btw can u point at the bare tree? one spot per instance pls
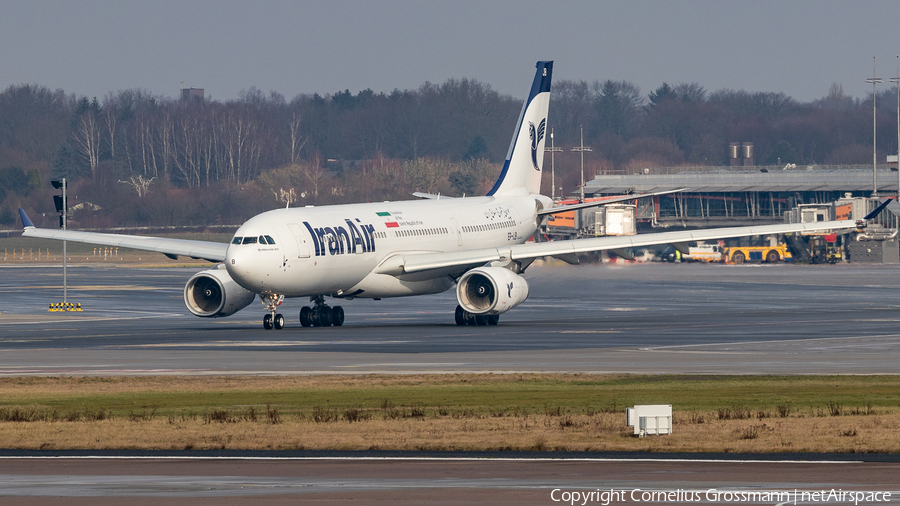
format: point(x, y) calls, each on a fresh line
point(110, 117)
point(141, 186)
point(87, 140)
point(297, 140)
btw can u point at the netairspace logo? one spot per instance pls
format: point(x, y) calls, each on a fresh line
point(715, 496)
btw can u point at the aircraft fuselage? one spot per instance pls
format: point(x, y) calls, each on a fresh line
point(335, 250)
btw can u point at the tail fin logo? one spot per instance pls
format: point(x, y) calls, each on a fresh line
point(536, 136)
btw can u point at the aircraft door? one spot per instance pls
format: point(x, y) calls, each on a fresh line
point(459, 241)
point(302, 238)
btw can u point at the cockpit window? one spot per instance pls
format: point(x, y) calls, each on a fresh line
point(262, 240)
point(270, 240)
point(249, 240)
point(237, 240)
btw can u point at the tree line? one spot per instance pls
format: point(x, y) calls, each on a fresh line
point(144, 158)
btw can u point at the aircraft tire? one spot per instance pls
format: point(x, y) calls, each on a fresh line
point(481, 319)
point(460, 315)
point(324, 316)
point(305, 320)
point(278, 321)
point(267, 322)
point(337, 316)
point(493, 319)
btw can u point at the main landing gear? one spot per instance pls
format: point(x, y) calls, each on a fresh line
point(321, 314)
point(274, 319)
point(464, 317)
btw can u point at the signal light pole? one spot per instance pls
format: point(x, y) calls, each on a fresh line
point(874, 80)
point(897, 80)
point(553, 150)
point(582, 148)
point(63, 208)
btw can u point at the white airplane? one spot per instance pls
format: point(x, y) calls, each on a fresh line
point(397, 249)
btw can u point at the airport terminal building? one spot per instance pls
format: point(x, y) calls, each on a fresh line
point(735, 196)
point(729, 196)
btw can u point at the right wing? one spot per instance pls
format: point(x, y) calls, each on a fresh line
point(461, 261)
point(212, 251)
point(457, 262)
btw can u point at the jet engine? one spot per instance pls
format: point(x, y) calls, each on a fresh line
point(213, 293)
point(490, 290)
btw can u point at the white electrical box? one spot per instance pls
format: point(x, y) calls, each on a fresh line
point(650, 419)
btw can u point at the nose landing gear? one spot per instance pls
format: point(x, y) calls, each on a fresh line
point(321, 314)
point(274, 319)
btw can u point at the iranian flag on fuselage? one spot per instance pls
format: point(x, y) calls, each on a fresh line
point(390, 222)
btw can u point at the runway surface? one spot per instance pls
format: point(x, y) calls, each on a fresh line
point(441, 481)
point(639, 318)
point(657, 318)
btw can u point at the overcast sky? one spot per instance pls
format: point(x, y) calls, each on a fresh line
point(91, 47)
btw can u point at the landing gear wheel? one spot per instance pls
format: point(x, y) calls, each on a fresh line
point(738, 258)
point(305, 320)
point(772, 257)
point(324, 316)
point(493, 319)
point(267, 322)
point(470, 318)
point(278, 321)
point(337, 316)
point(460, 315)
point(481, 319)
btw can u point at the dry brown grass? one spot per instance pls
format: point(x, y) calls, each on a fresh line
point(439, 412)
point(598, 432)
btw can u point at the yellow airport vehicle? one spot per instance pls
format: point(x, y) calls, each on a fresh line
point(769, 254)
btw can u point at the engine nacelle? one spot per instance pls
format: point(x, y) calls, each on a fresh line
point(491, 290)
point(213, 293)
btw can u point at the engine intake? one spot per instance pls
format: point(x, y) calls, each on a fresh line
point(491, 290)
point(213, 293)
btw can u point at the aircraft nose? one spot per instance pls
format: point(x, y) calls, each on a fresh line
point(240, 266)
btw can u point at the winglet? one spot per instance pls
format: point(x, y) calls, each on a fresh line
point(877, 211)
point(26, 221)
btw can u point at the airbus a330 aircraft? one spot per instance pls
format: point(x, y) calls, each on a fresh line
point(396, 249)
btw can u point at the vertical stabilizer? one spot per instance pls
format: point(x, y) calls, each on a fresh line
point(521, 173)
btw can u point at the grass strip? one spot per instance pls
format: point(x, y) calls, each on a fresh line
point(453, 412)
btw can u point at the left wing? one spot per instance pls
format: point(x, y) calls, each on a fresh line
point(212, 251)
point(431, 196)
point(598, 203)
point(460, 261)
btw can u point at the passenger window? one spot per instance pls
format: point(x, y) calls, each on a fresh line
point(236, 240)
point(249, 240)
point(270, 240)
